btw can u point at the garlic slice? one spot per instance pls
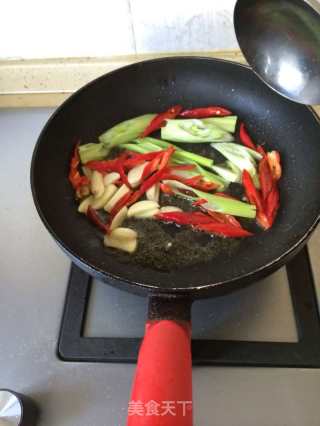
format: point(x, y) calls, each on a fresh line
point(119, 218)
point(97, 185)
point(111, 178)
point(135, 174)
point(148, 214)
point(123, 190)
point(83, 206)
point(169, 209)
point(87, 172)
point(125, 239)
point(142, 207)
point(153, 193)
point(109, 191)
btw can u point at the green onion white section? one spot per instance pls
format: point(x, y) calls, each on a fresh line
point(194, 131)
point(180, 156)
point(152, 144)
point(215, 202)
point(126, 130)
point(241, 157)
point(227, 173)
point(227, 124)
point(92, 151)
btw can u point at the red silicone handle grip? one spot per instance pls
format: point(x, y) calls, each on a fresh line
point(162, 389)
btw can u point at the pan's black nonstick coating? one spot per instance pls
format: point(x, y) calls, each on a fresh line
point(153, 86)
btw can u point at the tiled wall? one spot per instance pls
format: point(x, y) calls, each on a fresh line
point(68, 28)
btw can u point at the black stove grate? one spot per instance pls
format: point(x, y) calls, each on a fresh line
point(73, 346)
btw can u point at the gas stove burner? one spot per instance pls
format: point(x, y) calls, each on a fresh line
point(74, 346)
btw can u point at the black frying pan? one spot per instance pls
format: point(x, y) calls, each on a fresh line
point(153, 86)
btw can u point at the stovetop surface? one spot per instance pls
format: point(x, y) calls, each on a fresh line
point(33, 277)
point(261, 312)
point(294, 342)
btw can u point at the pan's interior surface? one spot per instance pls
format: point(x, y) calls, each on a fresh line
point(153, 86)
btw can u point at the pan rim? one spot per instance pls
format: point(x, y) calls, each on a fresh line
point(105, 275)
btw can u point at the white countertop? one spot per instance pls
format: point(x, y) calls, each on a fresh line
point(33, 276)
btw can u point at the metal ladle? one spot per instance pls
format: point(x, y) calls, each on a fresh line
point(280, 39)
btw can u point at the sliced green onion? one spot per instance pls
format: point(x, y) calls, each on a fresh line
point(215, 202)
point(227, 173)
point(194, 131)
point(228, 205)
point(233, 167)
point(241, 156)
point(188, 157)
point(211, 177)
point(92, 151)
point(237, 149)
point(134, 147)
point(150, 146)
point(154, 141)
point(126, 130)
point(145, 145)
point(225, 123)
point(180, 154)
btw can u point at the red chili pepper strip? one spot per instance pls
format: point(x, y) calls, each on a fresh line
point(123, 176)
point(116, 165)
point(75, 178)
point(263, 220)
point(275, 164)
point(205, 223)
point(185, 218)
point(272, 204)
point(186, 181)
point(152, 180)
point(155, 178)
point(254, 197)
point(75, 159)
point(103, 166)
point(147, 156)
point(211, 111)
point(155, 163)
point(265, 178)
point(227, 219)
point(232, 220)
point(137, 159)
point(166, 157)
point(133, 162)
point(146, 171)
point(159, 120)
point(224, 230)
point(151, 167)
point(166, 189)
point(206, 186)
point(93, 216)
point(261, 150)
point(199, 202)
point(121, 203)
point(245, 138)
point(224, 195)
point(194, 182)
point(134, 197)
point(251, 191)
point(181, 167)
point(147, 184)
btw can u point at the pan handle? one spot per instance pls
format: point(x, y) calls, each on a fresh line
point(162, 388)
